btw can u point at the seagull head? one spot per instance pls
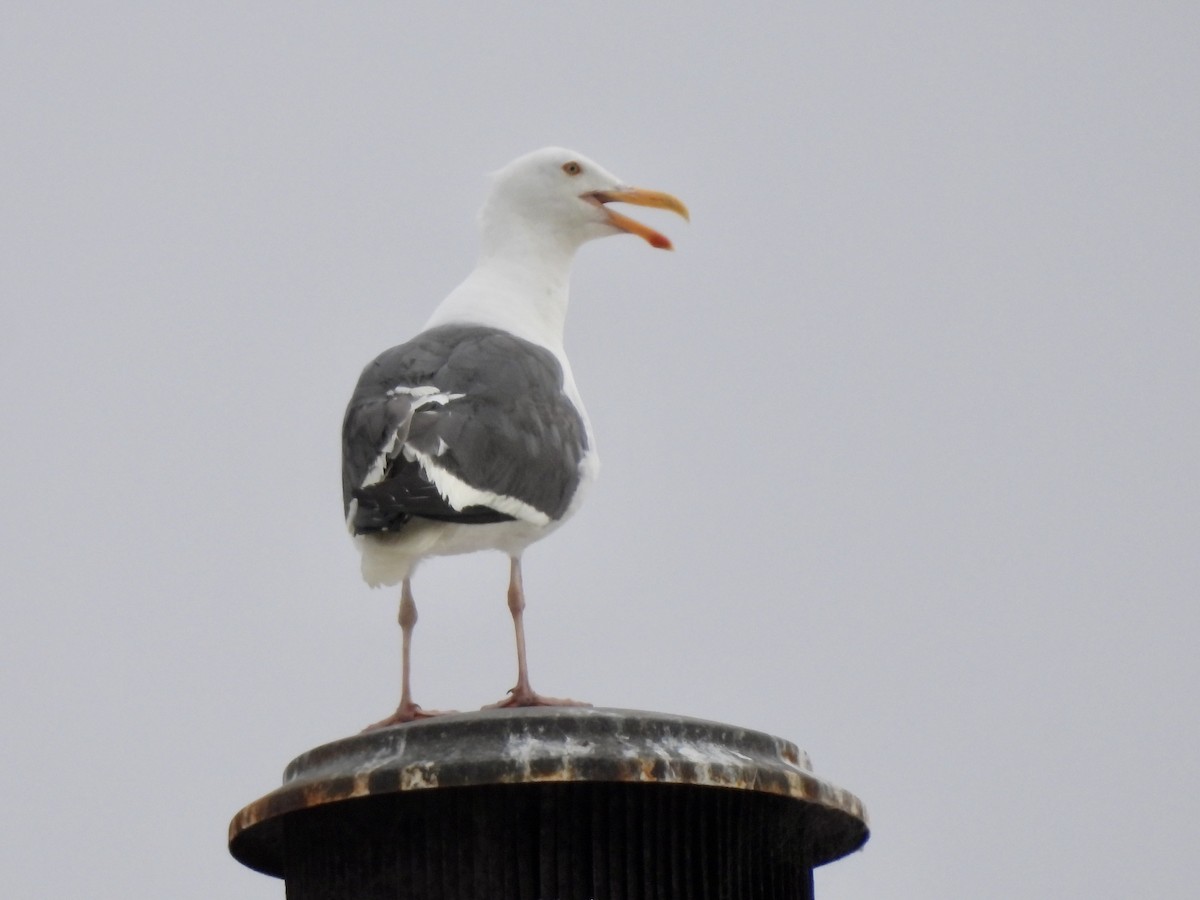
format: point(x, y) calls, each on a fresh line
point(563, 196)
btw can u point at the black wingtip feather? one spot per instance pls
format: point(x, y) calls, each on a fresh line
point(389, 505)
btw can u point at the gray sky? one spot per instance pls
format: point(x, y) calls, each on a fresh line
point(900, 445)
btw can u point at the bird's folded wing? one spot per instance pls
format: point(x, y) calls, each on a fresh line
point(489, 436)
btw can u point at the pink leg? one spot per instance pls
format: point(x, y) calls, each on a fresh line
point(407, 711)
point(523, 694)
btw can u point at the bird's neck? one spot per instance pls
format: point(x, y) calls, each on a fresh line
point(520, 285)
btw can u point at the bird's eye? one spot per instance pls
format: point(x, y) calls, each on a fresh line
point(572, 168)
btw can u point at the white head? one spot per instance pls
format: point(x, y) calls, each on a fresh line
point(557, 197)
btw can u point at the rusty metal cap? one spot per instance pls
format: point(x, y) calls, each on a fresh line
point(539, 745)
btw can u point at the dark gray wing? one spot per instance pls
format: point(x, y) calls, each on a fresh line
point(481, 405)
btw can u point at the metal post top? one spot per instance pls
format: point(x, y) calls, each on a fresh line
point(540, 745)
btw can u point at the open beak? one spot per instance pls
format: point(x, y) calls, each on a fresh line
point(639, 197)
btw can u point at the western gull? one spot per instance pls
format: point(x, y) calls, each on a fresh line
point(472, 435)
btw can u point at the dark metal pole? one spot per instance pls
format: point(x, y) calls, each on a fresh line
point(550, 804)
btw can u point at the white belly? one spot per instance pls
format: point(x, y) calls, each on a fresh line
point(389, 559)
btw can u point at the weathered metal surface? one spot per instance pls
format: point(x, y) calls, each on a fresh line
point(545, 746)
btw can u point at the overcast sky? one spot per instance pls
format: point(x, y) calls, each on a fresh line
point(899, 446)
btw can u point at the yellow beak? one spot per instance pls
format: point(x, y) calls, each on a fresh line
point(640, 197)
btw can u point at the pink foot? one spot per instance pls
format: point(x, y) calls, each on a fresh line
point(406, 712)
point(528, 697)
